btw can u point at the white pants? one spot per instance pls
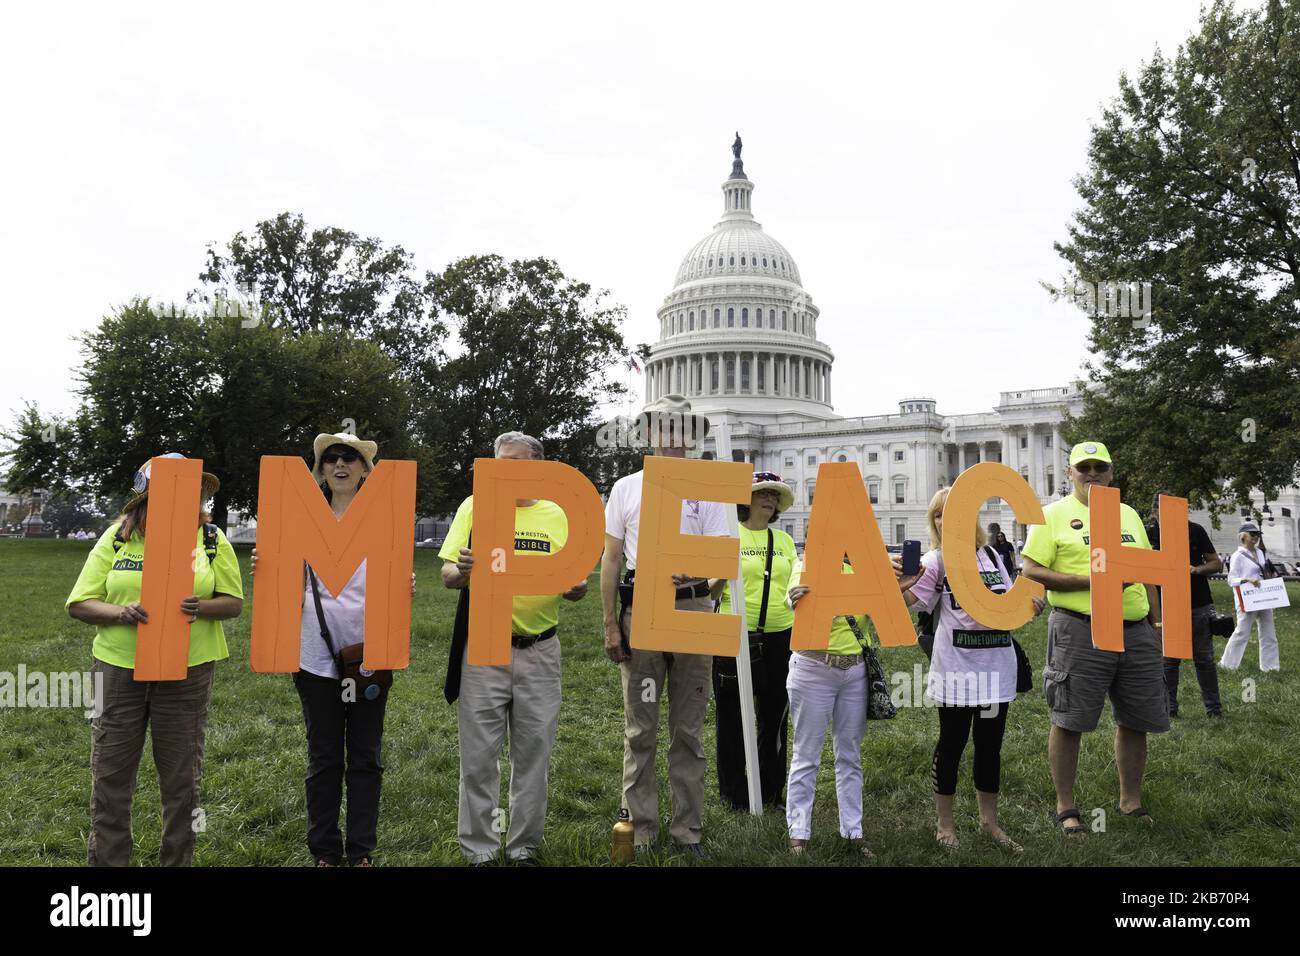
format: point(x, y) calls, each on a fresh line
point(1236, 649)
point(822, 696)
point(522, 700)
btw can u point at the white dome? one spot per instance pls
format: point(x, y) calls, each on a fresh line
point(738, 248)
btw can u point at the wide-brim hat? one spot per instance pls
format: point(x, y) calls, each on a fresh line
point(680, 409)
point(140, 483)
point(366, 449)
point(767, 481)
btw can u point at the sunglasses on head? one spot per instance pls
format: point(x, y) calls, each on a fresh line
point(348, 457)
point(1092, 467)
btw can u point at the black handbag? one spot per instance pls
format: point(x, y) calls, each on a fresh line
point(368, 683)
point(459, 641)
point(880, 705)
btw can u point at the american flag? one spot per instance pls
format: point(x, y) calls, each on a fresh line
point(632, 364)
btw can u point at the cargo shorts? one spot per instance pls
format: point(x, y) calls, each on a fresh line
point(1078, 677)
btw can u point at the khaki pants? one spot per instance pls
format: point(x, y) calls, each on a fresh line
point(684, 679)
point(519, 701)
point(176, 715)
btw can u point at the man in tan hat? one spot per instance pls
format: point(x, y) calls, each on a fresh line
point(1078, 677)
point(646, 675)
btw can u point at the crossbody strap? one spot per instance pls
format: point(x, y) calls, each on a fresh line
point(767, 582)
point(320, 613)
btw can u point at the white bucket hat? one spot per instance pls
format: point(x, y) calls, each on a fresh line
point(366, 449)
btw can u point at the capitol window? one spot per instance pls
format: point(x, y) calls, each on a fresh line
point(717, 318)
point(731, 317)
point(710, 262)
point(873, 492)
point(812, 486)
point(744, 318)
point(899, 489)
point(692, 322)
point(841, 458)
point(758, 318)
point(765, 262)
point(732, 260)
point(812, 460)
point(873, 456)
point(898, 456)
point(789, 463)
point(784, 320)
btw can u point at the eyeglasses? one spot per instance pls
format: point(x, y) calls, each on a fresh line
point(347, 457)
point(1092, 467)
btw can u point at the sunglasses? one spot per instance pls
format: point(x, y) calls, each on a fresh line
point(1094, 467)
point(347, 457)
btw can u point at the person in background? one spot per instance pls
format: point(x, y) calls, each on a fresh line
point(520, 700)
point(1203, 562)
point(1007, 553)
point(769, 620)
point(1248, 566)
point(828, 689)
point(173, 712)
point(1078, 677)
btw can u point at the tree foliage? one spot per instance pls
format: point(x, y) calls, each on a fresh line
point(1193, 185)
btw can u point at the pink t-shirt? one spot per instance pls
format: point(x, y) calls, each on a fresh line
point(971, 666)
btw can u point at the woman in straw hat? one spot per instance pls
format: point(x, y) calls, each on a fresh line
point(767, 556)
point(174, 712)
point(343, 728)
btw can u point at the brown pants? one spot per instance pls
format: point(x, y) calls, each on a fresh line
point(176, 712)
point(685, 679)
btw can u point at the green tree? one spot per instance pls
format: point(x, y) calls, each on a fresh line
point(1192, 185)
point(538, 352)
point(330, 278)
point(210, 388)
point(37, 453)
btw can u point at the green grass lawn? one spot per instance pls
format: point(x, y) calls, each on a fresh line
point(1222, 793)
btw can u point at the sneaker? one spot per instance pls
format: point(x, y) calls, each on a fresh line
point(690, 849)
point(324, 862)
point(364, 861)
point(526, 860)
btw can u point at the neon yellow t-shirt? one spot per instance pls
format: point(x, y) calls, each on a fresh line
point(540, 528)
point(1062, 545)
point(114, 576)
point(753, 561)
point(842, 640)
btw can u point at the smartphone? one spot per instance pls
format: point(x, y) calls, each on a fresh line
point(911, 558)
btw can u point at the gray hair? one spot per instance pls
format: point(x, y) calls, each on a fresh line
point(519, 438)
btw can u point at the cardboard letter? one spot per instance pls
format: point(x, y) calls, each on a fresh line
point(162, 646)
point(1167, 567)
point(843, 523)
point(662, 551)
point(499, 574)
point(295, 524)
point(973, 487)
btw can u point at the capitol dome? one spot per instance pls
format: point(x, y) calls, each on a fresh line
point(738, 331)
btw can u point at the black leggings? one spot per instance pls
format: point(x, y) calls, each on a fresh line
point(954, 728)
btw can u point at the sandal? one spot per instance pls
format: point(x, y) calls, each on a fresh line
point(948, 843)
point(1140, 812)
point(1066, 815)
point(797, 847)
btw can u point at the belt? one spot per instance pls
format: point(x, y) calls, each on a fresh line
point(528, 640)
point(839, 661)
point(693, 591)
point(1088, 617)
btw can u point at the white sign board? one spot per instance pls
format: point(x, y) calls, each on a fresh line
point(1271, 593)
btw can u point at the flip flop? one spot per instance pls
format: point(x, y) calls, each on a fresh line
point(1066, 815)
point(1140, 812)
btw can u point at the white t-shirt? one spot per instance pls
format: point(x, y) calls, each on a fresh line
point(962, 672)
point(345, 616)
point(623, 515)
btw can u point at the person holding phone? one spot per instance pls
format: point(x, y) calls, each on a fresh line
point(1249, 565)
point(173, 712)
point(767, 557)
point(343, 726)
point(828, 689)
point(972, 677)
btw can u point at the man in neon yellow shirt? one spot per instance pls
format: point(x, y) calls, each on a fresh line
point(1078, 676)
point(521, 698)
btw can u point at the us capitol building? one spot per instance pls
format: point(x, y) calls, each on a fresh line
point(738, 338)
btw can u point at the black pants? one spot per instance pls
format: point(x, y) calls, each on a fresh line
point(954, 728)
point(770, 660)
point(1207, 669)
point(333, 729)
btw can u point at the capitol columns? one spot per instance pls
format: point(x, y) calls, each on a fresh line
point(1035, 464)
point(1058, 459)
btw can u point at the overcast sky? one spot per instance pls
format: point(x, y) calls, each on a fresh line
point(916, 159)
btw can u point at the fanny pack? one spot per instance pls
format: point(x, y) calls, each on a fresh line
point(368, 683)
